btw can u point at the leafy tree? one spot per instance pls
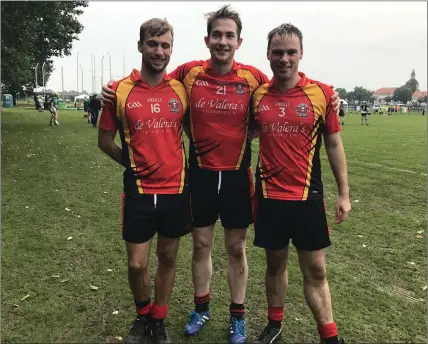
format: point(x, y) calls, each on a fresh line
point(388, 99)
point(361, 94)
point(33, 32)
point(402, 94)
point(412, 84)
point(342, 93)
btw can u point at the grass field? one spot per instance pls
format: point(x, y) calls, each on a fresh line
point(57, 185)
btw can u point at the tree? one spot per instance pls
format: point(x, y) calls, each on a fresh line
point(342, 93)
point(33, 32)
point(361, 94)
point(402, 94)
point(388, 99)
point(350, 96)
point(412, 84)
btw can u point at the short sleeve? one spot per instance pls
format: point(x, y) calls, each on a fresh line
point(331, 125)
point(108, 120)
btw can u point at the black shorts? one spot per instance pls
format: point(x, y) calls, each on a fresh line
point(228, 194)
point(364, 114)
point(304, 222)
point(341, 113)
point(144, 215)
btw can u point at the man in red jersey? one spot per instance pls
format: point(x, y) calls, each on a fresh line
point(293, 114)
point(220, 177)
point(148, 114)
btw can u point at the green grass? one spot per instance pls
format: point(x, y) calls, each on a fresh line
point(377, 295)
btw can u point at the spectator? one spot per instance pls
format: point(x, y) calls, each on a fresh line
point(95, 106)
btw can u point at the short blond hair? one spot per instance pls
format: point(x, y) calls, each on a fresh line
point(155, 27)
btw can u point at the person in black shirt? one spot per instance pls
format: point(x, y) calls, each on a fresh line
point(95, 106)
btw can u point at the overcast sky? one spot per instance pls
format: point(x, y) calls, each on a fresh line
point(345, 44)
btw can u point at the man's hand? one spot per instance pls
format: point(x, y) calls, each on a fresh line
point(336, 101)
point(343, 207)
point(108, 95)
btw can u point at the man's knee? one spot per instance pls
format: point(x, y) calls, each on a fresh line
point(137, 266)
point(275, 266)
point(315, 274)
point(201, 245)
point(236, 250)
point(167, 258)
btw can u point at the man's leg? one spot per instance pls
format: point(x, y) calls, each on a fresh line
point(236, 190)
point(96, 119)
point(174, 220)
point(139, 282)
point(273, 225)
point(138, 229)
point(164, 281)
point(56, 116)
point(203, 239)
point(237, 276)
point(317, 292)
point(52, 118)
point(93, 119)
point(203, 185)
point(311, 237)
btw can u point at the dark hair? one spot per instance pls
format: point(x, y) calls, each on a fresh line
point(224, 13)
point(155, 27)
point(286, 29)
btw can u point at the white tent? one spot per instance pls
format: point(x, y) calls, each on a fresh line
point(82, 97)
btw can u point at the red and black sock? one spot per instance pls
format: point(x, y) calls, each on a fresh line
point(275, 316)
point(328, 333)
point(237, 311)
point(159, 312)
point(202, 303)
point(143, 308)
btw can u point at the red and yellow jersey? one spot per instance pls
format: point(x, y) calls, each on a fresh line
point(219, 113)
point(290, 126)
point(149, 121)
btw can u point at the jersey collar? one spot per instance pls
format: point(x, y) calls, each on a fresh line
point(207, 66)
point(136, 76)
point(302, 82)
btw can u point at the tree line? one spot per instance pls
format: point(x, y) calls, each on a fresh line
point(401, 94)
point(32, 33)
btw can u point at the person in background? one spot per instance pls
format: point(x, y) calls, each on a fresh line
point(94, 106)
point(87, 110)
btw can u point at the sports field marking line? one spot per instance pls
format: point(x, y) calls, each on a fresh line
point(377, 165)
point(386, 167)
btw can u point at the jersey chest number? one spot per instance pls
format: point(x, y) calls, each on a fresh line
point(155, 108)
